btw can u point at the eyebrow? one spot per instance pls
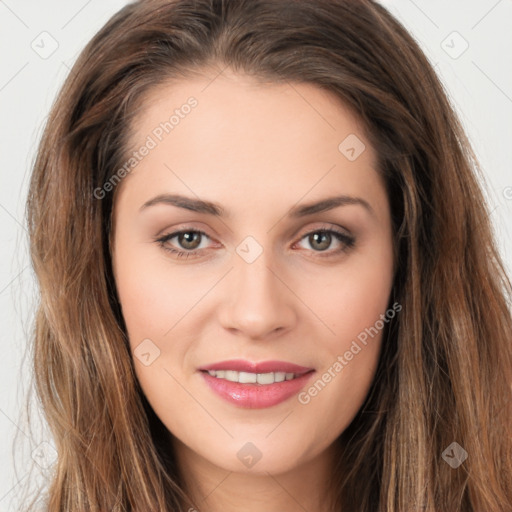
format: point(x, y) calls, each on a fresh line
point(210, 208)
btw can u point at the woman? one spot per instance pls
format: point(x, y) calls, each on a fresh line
point(268, 279)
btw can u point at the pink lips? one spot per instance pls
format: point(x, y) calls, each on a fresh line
point(257, 396)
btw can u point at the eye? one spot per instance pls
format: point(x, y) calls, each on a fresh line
point(321, 240)
point(188, 239)
point(189, 242)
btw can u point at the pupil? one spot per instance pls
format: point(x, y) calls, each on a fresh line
point(317, 236)
point(189, 240)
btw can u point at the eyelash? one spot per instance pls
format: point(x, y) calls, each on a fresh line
point(347, 242)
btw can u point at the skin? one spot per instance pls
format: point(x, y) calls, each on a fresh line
point(258, 150)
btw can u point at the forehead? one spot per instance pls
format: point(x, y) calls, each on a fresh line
point(233, 103)
point(249, 138)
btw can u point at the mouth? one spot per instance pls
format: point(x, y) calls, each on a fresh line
point(255, 385)
point(263, 379)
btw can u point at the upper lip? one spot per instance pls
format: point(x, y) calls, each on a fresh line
point(242, 365)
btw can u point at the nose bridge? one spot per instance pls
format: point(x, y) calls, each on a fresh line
point(259, 302)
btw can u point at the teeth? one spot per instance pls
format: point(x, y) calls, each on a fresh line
point(265, 378)
point(231, 375)
point(279, 376)
point(247, 378)
point(251, 378)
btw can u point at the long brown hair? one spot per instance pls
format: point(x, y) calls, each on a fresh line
point(445, 371)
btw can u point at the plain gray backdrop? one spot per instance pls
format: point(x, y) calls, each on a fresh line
point(468, 42)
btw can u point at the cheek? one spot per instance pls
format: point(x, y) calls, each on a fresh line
point(160, 307)
point(353, 304)
point(153, 299)
point(351, 299)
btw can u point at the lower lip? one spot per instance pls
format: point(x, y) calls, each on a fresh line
point(256, 396)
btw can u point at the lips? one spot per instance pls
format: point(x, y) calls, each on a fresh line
point(255, 385)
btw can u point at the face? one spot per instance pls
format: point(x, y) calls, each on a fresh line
point(252, 238)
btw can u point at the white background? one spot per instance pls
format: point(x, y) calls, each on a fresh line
point(479, 83)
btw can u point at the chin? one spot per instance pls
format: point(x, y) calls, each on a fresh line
point(258, 457)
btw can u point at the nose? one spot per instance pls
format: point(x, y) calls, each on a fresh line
point(259, 303)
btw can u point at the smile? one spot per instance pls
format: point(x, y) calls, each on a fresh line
point(255, 385)
point(252, 378)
